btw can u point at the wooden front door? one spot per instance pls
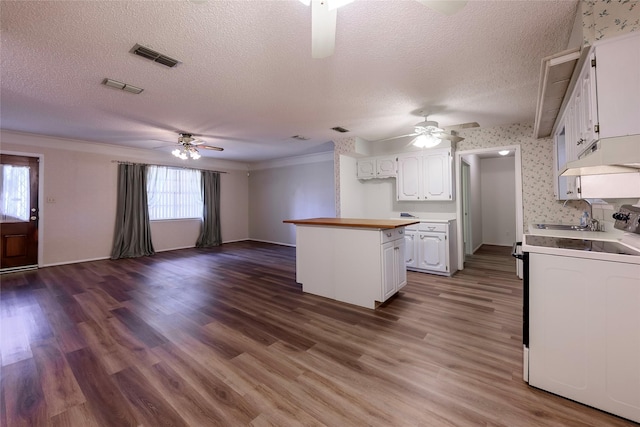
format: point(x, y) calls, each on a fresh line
point(18, 211)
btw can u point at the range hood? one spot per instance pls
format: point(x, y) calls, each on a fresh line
point(608, 156)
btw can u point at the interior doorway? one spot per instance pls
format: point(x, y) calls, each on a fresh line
point(19, 211)
point(466, 207)
point(468, 177)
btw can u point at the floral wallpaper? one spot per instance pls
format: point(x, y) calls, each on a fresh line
point(609, 18)
point(539, 202)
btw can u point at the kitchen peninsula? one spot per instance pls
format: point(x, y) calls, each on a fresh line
point(357, 261)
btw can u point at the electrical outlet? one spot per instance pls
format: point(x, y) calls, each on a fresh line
point(51, 200)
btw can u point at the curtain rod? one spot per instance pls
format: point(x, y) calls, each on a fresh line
point(122, 162)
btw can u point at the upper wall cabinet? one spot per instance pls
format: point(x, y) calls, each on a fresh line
point(605, 99)
point(377, 167)
point(425, 175)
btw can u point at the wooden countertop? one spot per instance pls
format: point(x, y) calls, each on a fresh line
point(354, 222)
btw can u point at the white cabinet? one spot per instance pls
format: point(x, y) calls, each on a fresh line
point(394, 272)
point(430, 247)
point(386, 167)
point(410, 248)
point(360, 266)
point(425, 175)
point(584, 331)
point(367, 168)
point(377, 167)
point(617, 78)
point(603, 103)
point(566, 187)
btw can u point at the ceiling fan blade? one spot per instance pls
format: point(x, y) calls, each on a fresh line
point(397, 137)
point(323, 29)
point(463, 126)
point(449, 137)
point(446, 7)
point(210, 147)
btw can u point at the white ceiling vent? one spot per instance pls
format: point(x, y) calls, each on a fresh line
point(152, 55)
point(123, 86)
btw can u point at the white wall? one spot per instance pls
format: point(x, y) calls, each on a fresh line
point(497, 187)
point(80, 182)
point(352, 198)
point(294, 188)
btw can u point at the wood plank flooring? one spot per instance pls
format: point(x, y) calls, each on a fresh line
point(226, 337)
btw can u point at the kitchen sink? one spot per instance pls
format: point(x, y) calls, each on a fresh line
point(568, 227)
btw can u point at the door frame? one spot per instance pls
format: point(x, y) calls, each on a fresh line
point(465, 181)
point(519, 207)
point(41, 206)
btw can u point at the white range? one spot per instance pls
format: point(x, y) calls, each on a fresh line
point(582, 315)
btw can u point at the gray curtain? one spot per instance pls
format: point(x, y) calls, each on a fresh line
point(132, 237)
point(210, 232)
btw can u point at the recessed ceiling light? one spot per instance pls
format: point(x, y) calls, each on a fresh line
point(503, 152)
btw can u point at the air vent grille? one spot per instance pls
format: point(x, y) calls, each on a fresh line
point(340, 129)
point(152, 55)
point(122, 86)
point(300, 137)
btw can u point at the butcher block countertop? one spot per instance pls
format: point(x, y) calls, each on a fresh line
point(381, 224)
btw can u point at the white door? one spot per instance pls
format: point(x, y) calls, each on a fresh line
point(432, 251)
point(408, 180)
point(437, 175)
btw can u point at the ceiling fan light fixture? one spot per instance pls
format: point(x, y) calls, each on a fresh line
point(426, 141)
point(427, 126)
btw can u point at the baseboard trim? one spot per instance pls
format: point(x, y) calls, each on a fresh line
point(273, 243)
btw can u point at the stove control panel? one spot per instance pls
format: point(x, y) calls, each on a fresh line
point(628, 219)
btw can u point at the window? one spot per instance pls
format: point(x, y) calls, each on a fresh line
point(14, 194)
point(173, 193)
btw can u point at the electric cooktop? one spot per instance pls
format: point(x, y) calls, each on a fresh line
point(581, 245)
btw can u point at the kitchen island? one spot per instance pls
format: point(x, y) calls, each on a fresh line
point(353, 260)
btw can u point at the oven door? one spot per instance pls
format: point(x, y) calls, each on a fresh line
point(523, 257)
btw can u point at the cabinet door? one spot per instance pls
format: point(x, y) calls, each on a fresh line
point(399, 267)
point(389, 280)
point(432, 251)
point(367, 168)
point(385, 167)
point(618, 85)
point(410, 249)
point(437, 175)
point(589, 106)
point(408, 182)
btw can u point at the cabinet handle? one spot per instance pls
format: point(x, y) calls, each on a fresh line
point(401, 232)
point(421, 236)
point(569, 192)
point(580, 141)
point(388, 234)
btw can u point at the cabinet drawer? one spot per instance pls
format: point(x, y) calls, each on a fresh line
point(391, 234)
point(433, 227)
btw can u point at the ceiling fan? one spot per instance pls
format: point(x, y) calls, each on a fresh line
point(429, 134)
point(188, 147)
point(323, 21)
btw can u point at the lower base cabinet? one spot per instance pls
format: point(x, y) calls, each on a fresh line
point(430, 247)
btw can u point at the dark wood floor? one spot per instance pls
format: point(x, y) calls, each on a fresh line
point(226, 337)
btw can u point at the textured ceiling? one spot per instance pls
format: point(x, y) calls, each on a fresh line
point(247, 80)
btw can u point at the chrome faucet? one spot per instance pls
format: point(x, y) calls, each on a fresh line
point(594, 224)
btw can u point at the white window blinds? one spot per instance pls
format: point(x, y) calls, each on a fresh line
point(173, 193)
